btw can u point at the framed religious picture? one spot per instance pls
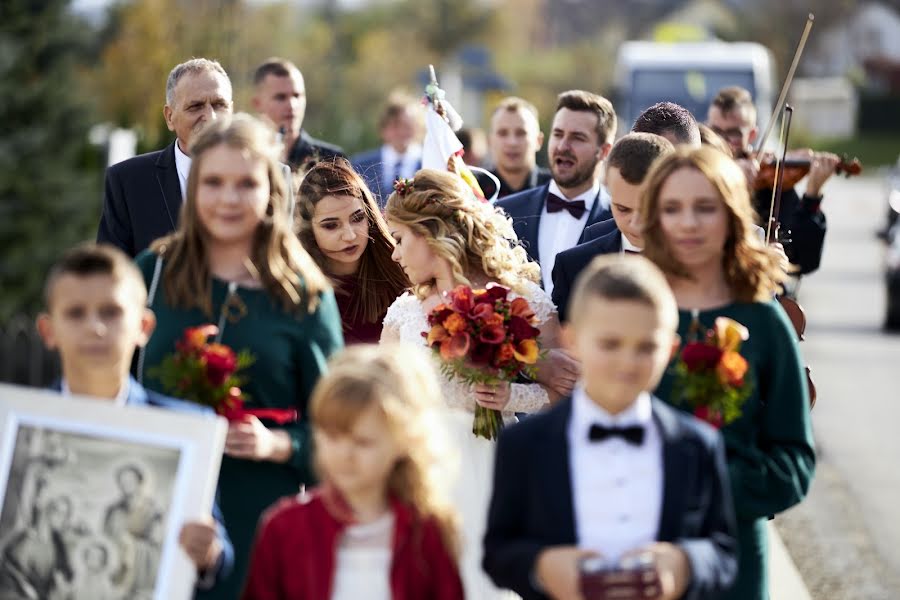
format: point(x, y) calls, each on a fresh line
point(93, 496)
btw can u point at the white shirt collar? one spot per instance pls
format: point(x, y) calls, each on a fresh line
point(391, 157)
point(626, 245)
point(586, 412)
point(588, 196)
point(121, 397)
point(183, 165)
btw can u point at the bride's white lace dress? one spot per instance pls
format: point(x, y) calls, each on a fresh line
point(407, 321)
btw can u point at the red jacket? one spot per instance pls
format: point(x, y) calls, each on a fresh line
point(296, 546)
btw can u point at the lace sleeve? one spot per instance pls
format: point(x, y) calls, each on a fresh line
point(539, 300)
point(527, 398)
point(396, 314)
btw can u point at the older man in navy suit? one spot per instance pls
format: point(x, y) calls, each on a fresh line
point(142, 195)
point(552, 218)
point(626, 168)
point(400, 155)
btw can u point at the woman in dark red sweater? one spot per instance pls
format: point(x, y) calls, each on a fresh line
point(340, 225)
point(377, 528)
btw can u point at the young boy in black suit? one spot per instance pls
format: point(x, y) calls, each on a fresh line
point(96, 316)
point(612, 471)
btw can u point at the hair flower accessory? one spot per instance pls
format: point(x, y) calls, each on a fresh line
point(402, 185)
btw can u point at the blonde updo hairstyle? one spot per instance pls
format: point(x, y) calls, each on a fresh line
point(473, 236)
point(752, 269)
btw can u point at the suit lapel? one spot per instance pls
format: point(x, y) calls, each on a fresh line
point(598, 213)
point(557, 482)
point(169, 185)
point(677, 477)
point(532, 221)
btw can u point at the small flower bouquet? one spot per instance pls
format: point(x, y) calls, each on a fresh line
point(711, 373)
point(208, 373)
point(484, 337)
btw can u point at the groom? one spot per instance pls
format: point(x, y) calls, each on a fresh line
point(552, 218)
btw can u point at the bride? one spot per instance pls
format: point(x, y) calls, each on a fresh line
point(444, 238)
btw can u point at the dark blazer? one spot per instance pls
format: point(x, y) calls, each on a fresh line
point(308, 148)
point(571, 262)
point(592, 232)
point(142, 200)
point(804, 220)
point(532, 507)
point(370, 166)
point(526, 207)
point(138, 395)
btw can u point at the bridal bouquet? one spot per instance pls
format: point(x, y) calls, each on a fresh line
point(484, 337)
point(711, 373)
point(208, 373)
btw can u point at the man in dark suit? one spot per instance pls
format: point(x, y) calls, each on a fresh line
point(142, 195)
point(612, 471)
point(552, 218)
point(514, 140)
point(626, 168)
point(280, 96)
point(400, 154)
point(732, 115)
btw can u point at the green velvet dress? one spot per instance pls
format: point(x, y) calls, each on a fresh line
point(291, 353)
point(771, 459)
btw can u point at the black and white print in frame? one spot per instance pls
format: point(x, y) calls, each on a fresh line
point(92, 497)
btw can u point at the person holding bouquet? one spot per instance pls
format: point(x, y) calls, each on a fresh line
point(341, 227)
point(379, 527)
point(698, 227)
point(445, 238)
point(234, 262)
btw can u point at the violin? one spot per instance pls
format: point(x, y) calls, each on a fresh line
point(796, 169)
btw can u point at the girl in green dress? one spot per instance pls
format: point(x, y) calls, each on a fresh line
point(235, 262)
point(699, 229)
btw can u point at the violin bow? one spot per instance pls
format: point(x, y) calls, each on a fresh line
point(775, 204)
point(787, 82)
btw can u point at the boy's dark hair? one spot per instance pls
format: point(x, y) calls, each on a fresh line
point(513, 104)
point(671, 118)
point(279, 67)
point(632, 278)
point(580, 100)
point(634, 153)
point(96, 259)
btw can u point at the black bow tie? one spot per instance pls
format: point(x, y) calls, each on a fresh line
point(633, 434)
point(576, 208)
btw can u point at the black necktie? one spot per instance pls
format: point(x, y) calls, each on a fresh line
point(576, 208)
point(633, 434)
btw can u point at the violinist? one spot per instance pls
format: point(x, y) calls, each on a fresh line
point(698, 228)
point(733, 116)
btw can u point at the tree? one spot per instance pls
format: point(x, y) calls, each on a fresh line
point(49, 189)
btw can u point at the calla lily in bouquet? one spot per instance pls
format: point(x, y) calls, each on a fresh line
point(483, 336)
point(208, 373)
point(711, 374)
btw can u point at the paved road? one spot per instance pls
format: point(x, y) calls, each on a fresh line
point(845, 538)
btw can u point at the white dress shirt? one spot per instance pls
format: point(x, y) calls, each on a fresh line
point(560, 231)
point(409, 163)
point(617, 486)
point(183, 165)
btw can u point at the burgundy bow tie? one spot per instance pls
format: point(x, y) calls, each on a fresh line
point(576, 208)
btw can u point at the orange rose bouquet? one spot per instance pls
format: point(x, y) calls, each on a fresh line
point(208, 373)
point(482, 336)
point(711, 374)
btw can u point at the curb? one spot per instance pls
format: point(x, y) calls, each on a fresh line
point(785, 581)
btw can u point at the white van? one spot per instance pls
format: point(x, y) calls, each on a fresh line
point(690, 74)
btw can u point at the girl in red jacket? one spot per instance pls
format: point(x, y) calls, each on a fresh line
point(377, 527)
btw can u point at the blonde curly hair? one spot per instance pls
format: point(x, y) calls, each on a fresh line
point(473, 236)
point(752, 269)
point(400, 381)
